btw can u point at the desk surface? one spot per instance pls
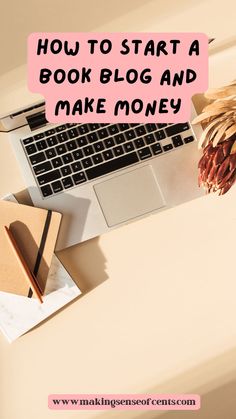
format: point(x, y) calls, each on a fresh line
point(158, 310)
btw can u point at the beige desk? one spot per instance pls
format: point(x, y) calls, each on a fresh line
point(158, 310)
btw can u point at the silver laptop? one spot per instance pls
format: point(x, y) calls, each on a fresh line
point(101, 176)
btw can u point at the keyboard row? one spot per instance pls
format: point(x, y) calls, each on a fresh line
point(110, 135)
point(71, 131)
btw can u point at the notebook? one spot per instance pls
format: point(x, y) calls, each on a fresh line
point(35, 231)
point(19, 314)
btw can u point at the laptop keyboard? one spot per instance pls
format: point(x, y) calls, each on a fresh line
point(72, 154)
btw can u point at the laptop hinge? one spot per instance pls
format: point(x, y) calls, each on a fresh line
point(36, 121)
point(33, 116)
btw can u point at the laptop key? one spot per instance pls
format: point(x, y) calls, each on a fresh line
point(60, 128)
point(37, 158)
point(76, 167)
point(39, 136)
point(87, 162)
point(107, 155)
point(113, 129)
point(79, 178)
point(67, 158)
point(71, 125)
point(151, 127)
point(57, 162)
point(93, 127)
point(71, 145)
point(50, 153)
point(88, 150)
point(129, 147)
point(67, 182)
point(139, 143)
point(99, 146)
point(129, 135)
point(31, 149)
point(82, 141)
point(103, 133)
point(61, 149)
point(46, 191)
point(83, 129)
point(177, 140)
point(72, 133)
point(42, 168)
point(188, 139)
point(111, 166)
point(123, 127)
point(161, 125)
point(144, 153)
point(78, 154)
point(156, 148)
point(149, 139)
point(176, 129)
point(167, 147)
point(49, 177)
point(51, 141)
point(118, 151)
point(119, 138)
point(92, 137)
point(97, 158)
point(41, 145)
point(62, 137)
point(50, 132)
point(66, 170)
point(57, 186)
point(109, 142)
point(160, 135)
point(140, 130)
point(28, 140)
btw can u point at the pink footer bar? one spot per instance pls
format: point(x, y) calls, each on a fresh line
point(124, 401)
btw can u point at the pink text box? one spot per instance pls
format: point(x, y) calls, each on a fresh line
point(105, 97)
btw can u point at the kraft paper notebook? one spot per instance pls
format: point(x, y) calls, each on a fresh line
point(19, 314)
point(35, 231)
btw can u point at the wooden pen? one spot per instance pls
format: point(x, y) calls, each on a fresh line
point(24, 267)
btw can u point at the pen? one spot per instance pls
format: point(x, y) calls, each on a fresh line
point(28, 274)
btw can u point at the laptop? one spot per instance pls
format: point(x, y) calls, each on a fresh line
point(102, 176)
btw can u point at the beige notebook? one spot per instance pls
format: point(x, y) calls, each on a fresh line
point(35, 231)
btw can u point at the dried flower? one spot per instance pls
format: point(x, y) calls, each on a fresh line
point(217, 167)
point(219, 116)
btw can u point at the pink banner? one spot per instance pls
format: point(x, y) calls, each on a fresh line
point(124, 401)
point(117, 77)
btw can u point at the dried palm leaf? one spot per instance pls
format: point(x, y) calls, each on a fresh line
point(222, 91)
point(218, 116)
point(217, 167)
point(204, 139)
point(220, 136)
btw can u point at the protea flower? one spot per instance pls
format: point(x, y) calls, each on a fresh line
point(217, 167)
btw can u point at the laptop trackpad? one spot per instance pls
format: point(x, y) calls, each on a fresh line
point(129, 195)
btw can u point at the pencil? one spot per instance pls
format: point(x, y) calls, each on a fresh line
point(27, 273)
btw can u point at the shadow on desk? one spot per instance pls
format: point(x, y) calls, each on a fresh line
point(85, 262)
point(214, 381)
